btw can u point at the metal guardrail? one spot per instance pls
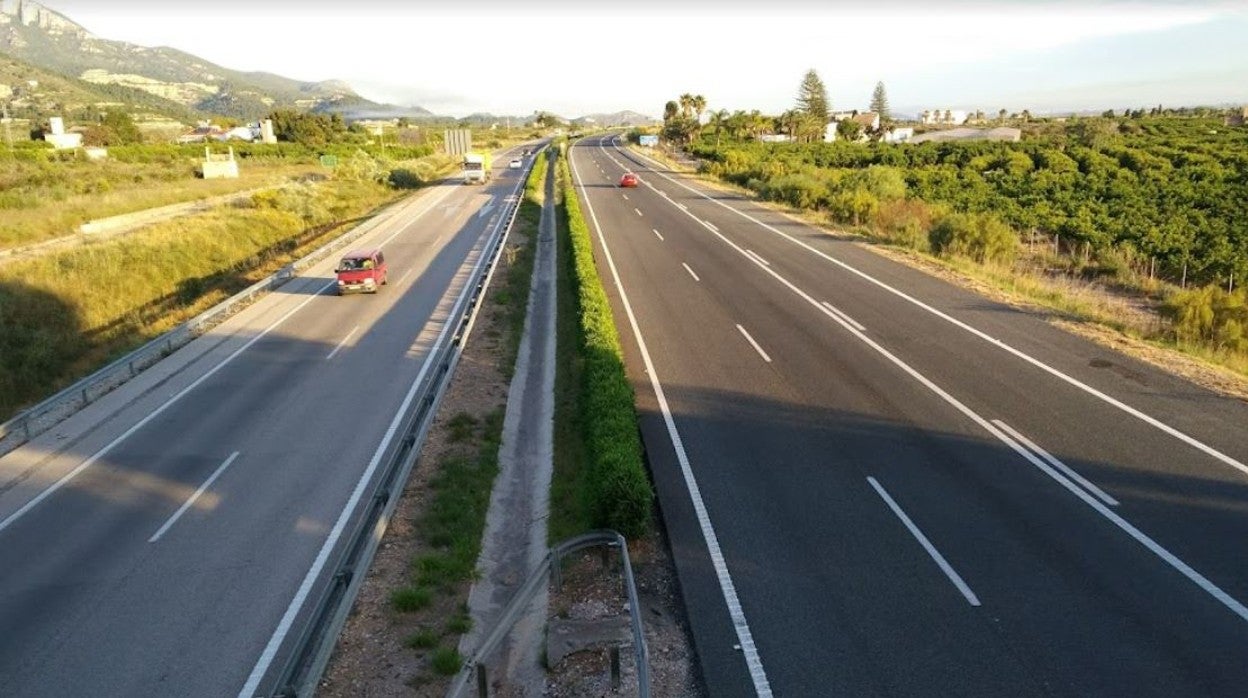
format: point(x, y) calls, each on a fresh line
point(310, 656)
point(35, 420)
point(550, 565)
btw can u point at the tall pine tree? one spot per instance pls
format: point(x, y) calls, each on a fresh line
point(812, 97)
point(879, 103)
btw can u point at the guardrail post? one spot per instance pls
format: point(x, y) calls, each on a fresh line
point(606, 556)
point(483, 682)
point(615, 666)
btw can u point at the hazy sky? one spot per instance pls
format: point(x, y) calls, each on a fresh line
point(575, 58)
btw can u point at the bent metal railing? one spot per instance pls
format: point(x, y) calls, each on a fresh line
point(550, 565)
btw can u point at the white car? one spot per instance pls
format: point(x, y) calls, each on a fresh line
point(516, 163)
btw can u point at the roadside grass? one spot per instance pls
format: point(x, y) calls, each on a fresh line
point(66, 313)
point(50, 200)
point(461, 427)
point(423, 639)
point(446, 661)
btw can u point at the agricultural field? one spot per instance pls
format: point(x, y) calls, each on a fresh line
point(1155, 206)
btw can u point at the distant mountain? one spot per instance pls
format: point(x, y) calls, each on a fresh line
point(356, 108)
point(616, 119)
point(48, 40)
point(33, 93)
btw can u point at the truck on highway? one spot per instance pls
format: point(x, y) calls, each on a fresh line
point(476, 168)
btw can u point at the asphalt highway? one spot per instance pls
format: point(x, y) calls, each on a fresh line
point(877, 483)
point(165, 540)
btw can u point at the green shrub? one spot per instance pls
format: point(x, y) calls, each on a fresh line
point(1210, 315)
point(447, 660)
point(905, 222)
point(979, 236)
point(854, 206)
point(403, 178)
point(459, 623)
point(796, 190)
point(617, 489)
point(884, 183)
point(422, 639)
point(411, 598)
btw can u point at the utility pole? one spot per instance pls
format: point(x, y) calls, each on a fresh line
point(8, 129)
point(8, 133)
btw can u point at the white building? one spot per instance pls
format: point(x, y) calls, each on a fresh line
point(898, 135)
point(58, 137)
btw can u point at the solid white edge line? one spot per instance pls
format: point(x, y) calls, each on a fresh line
point(657, 233)
point(296, 604)
point(927, 544)
point(686, 266)
point(710, 225)
point(755, 255)
point(182, 393)
point(1140, 537)
point(744, 637)
point(1147, 419)
point(190, 502)
point(754, 344)
point(343, 342)
point(844, 316)
point(1052, 460)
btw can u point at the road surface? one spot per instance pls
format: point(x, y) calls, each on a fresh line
point(876, 483)
point(164, 540)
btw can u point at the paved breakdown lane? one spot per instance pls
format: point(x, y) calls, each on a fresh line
point(876, 483)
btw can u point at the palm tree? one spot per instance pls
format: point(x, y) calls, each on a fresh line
point(719, 120)
point(686, 105)
point(789, 121)
point(758, 123)
point(698, 102)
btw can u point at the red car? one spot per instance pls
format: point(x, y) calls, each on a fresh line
point(628, 180)
point(361, 270)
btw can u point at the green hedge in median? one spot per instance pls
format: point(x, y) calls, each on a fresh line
point(617, 490)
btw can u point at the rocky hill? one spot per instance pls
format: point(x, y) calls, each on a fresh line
point(48, 40)
point(31, 93)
